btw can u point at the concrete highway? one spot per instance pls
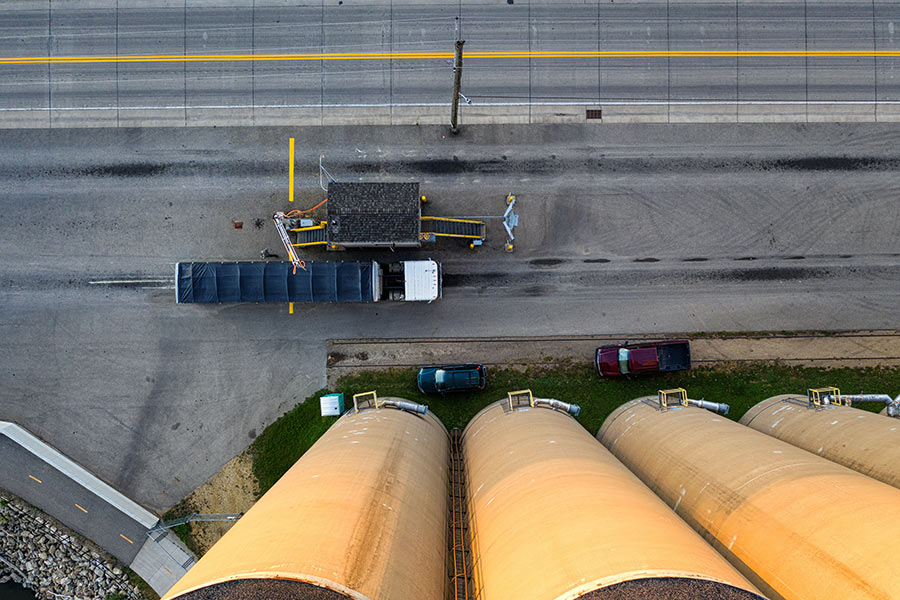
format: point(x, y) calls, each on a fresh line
point(624, 229)
point(760, 60)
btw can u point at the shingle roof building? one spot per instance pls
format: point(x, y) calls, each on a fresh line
point(373, 214)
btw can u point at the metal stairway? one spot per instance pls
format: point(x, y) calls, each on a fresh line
point(310, 236)
point(450, 227)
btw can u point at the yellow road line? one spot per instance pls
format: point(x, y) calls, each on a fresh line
point(81, 508)
point(35, 478)
point(43, 60)
point(291, 171)
point(169, 572)
point(290, 308)
point(125, 538)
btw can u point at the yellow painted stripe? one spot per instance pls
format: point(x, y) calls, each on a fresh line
point(309, 244)
point(35, 478)
point(81, 508)
point(309, 228)
point(290, 308)
point(169, 572)
point(291, 172)
point(42, 60)
point(125, 538)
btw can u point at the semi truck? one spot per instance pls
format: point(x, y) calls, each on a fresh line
point(325, 281)
point(648, 357)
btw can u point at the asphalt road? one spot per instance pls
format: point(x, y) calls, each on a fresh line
point(244, 92)
point(624, 229)
point(80, 508)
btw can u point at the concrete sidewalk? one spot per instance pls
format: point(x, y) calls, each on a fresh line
point(47, 479)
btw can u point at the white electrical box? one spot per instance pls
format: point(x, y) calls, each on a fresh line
point(332, 405)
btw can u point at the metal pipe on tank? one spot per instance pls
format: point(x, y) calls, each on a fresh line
point(405, 405)
point(572, 409)
point(554, 516)
point(798, 526)
point(893, 409)
point(858, 439)
point(892, 405)
point(884, 398)
point(362, 515)
point(716, 407)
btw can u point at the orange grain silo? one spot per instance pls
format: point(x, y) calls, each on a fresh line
point(797, 525)
point(861, 440)
point(362, 515)
point(554, 516)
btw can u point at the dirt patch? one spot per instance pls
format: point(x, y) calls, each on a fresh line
point(231, 490)
point(335, 357)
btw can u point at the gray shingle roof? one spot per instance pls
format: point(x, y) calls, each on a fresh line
point(365, 214)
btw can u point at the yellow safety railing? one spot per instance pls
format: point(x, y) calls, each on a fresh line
point(450, 219)
point(667, 398)
point(817, 396)
point(366, 399)
point(426, 235)
point(321, 225)
point(520, 398)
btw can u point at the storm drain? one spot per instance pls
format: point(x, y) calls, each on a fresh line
point(459, 549)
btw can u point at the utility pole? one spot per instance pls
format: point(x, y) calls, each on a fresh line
point(457, 77)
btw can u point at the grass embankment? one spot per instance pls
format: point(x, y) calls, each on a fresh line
point(740, 386)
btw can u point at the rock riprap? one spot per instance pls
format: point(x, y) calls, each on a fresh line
point(41, 554)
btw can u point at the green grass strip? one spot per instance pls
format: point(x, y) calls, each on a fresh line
point(739, 385)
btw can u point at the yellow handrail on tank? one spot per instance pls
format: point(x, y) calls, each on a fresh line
point(519, 398)
point(366, 397)
point(816, 396)
point(679, 395)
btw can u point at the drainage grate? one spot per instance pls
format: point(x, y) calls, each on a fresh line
point(594, 113)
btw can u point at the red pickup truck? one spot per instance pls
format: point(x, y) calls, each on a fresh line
point(647, 357)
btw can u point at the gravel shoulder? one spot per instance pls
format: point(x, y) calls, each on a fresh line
point(820, 349)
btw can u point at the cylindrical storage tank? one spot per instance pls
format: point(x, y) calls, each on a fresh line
point(861, 440)
point(361, 515)
point(553, 515)
point(799, 526)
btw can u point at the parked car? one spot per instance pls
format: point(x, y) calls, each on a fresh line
point(647, 357)
point(451, 378)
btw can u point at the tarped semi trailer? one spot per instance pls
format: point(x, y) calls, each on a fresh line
point(356, 281)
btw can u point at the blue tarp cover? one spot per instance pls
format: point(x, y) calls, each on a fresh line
point(274, 282)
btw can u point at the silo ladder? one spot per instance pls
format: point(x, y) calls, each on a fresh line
point(460, 542)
